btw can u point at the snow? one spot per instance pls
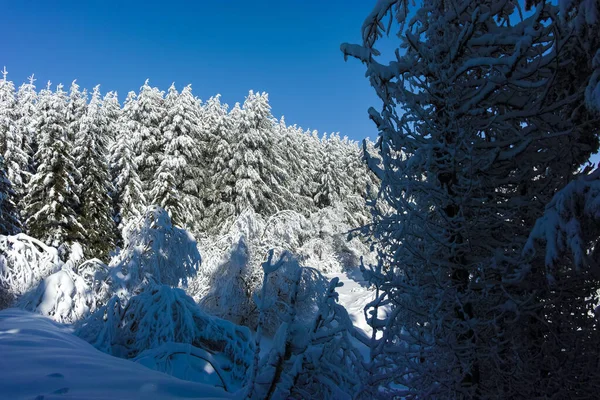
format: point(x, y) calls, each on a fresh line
point(43, 360)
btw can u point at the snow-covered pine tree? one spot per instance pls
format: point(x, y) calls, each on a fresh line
point(331, 185)
point(223, 208)
point(11, 140)
point(482, 122)
point(91, 158)
point(111, 110)
point(26, 121)
point(10, 222)
point(147, 115)
point(128, 195)
point(298, 163)
point(257, 163)
point(51, 198)
point(76, 108)
point(216, 141)
point(175, 187)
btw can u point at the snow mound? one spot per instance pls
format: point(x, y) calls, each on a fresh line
point(43, 360)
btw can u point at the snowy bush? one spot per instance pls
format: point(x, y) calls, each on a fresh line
point(63, 296)
point(154, 251)
point(24, 262)
point(161, 314)
point(309, 359)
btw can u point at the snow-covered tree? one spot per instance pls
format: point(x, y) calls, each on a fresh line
point(154, 250)
point(483, 120)
point(147, 114)
point(128, 195)
point(95, 209)
point(51, 199)
point(26, 114)
point(260, 175)
point(177, 179)
point(331, 184)
point(111, 109)
point(11, 138)
point(10, 221)
point(76, 109)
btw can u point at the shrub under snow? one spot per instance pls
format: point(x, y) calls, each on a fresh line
point(154, 251)
point(24, 262)
point(159, 315)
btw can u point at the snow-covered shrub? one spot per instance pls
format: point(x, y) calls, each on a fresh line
point(230, 288)
point(63, 296)
point(278, 292)
point(154, 251)
point(161, 314)
point(309, 359)
point(24, 262)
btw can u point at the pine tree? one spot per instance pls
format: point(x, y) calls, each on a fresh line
point(26, 122)
point(175, 186)
point(257, 165)
point(10, 222)
point(51, 198)
point(128, 196)
point(76, 109)
point(331, 186)
point(147, 115)
point(482, 122)
point(111, 109)
point(92, 162)
point(215, 140)
point(11, 140)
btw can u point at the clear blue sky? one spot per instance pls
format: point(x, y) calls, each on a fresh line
point(288, 48)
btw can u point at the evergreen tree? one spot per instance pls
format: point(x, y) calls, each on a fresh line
point(215, 140)
point(111, 109)
point(128, 196)
point(148, 115)
point(331, 186)
point(26, 122)
point(175, 181)
point(260, 176)
point(10, 222)
point(11, 140)
point(51, 198)
point(76, 109)
point(482, 122)
point(95, 188)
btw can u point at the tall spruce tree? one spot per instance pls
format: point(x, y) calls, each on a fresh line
point(26, 121)
point(91, 158)
point(128, 195)
point(175, 187)
point(257, 164)
point(482, 122)
point(11, 140)
point(10, 221)
point(111, 109)
point(76, 109)
point(51, 198)
point(148, 114)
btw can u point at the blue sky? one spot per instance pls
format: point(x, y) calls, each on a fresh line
point(288, 48)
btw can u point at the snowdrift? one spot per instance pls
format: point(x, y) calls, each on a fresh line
point(43, 360)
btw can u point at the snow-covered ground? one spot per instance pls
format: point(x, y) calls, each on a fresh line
point(42, 360)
